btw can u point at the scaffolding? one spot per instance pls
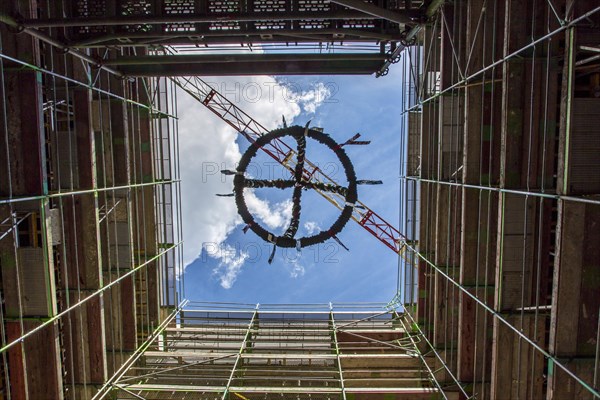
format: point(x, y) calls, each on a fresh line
point(503, 161)
point(90, 240)
point(231, 37)
point(291, 351)
point(498, 291)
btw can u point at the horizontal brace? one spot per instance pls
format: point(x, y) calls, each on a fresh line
point(240, 58)
point(299, 67)
point(276, 389)
point(395, 16)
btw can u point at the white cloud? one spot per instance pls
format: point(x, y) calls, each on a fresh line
point(312, 99)
point(230, 264)
point(297, 269)
point(274, 217)
point(311, 227)
point(309, 99)
point(207, 145)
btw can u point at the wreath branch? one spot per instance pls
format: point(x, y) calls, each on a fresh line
point(288, 238)
point(265, 183)
point(297, 197)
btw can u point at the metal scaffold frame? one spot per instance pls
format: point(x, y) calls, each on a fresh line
point(231, 351)
point(90, 240)
point(501, 197)
point(303, 37)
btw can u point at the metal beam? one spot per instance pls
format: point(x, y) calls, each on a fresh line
point(307, 356)
point(239, 356)
point(337, 350)
point(278, 389)
point(240, 58)
point(251, 64)
point(406, 17)
point(357, 11)
point(241, 37)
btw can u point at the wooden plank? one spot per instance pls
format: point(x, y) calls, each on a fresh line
point(566, 108)
point(515, 252)
point(574, 318)
point(120, 133)
point(147, 230)
point(567, 279)
point(590, 284)
point(445, 312)
point(478, 237)
point(120, 322)
point(512, 124)
point(513, 95)
point(474, 336)
point(29, 270)
point(472, 165)
point(81, 259)
point(25, 134)
point(562, 386)
point(517, 368)
point(483, 95)
point(112, 133)
point(16, 365)
point(41, 368)
point(429, 144)
point(85, 138)
point(450, 136)
point(128, 314)
point(22, 103)
point(448, 233)
point(153, 293)
point(584, 148)
point(427, 217)
point(423, 293)
point(452, 43)
point(346, 335)
point(84, 343)
point(426, 247)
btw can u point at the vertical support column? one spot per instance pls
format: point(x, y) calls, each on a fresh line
point(240, 352)
point(145, 246)
point(447, 256)
point(447, 218)
point(481, 163)
point(427, 211)
point(428, 195)
point(428, 166)
point(337, 349)
point(513, 72)
point(447, 165)
point(84, 334)
point(518, 227)
point(112, 130)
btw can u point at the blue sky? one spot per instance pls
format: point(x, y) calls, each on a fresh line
point(232, 266)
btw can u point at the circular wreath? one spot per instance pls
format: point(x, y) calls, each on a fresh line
point(299, 183)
